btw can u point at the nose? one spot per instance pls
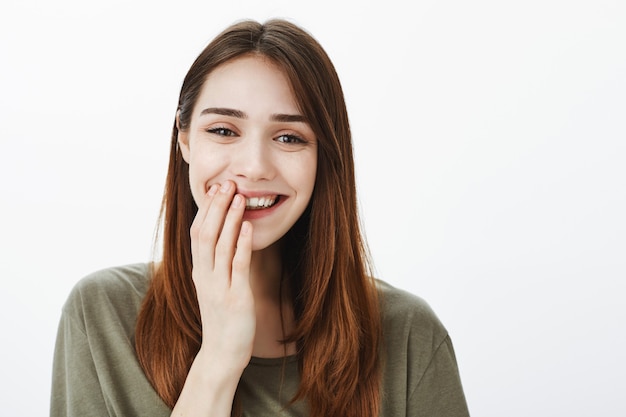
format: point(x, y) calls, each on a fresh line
point(253, 160)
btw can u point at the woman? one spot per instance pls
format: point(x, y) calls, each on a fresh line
point(262, 304)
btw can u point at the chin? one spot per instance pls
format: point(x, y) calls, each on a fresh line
point(261, 242)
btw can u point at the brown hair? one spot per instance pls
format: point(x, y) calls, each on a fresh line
point(338, 324)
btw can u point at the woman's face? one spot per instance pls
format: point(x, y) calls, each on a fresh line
point(246, 127)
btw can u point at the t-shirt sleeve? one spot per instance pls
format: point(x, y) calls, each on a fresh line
point(421, 377)
point(75, 391)
point(439, 392)
point(96, 371)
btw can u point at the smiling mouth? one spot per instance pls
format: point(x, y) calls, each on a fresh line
point(260, 203)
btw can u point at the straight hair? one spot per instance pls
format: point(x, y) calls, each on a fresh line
point(335, 301)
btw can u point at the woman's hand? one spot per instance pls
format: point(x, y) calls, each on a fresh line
point(221, 251)
point(221, 247)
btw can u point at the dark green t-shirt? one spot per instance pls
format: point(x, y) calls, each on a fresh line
point(96, 372)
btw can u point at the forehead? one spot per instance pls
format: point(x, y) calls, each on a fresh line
point(250, 82)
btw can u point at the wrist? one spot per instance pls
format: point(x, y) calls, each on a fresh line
point(217, 369)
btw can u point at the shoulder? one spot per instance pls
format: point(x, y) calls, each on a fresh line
point(405, 311)
point(134, 277)
point(412, 332)
point(115, 291)
point(420, 376)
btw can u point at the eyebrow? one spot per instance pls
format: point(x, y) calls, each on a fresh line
point(290, 118)
point(224, 112)
point(277, 117)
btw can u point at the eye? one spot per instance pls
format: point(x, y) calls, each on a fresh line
point(290, 139)
point(221, 131)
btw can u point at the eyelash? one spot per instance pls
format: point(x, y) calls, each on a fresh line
point(293, 139)
point(221, 131)
point(224, 131)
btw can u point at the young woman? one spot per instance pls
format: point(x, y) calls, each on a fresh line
point(262, 303)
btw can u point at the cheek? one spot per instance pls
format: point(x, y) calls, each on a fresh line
point(307, 171)
point(204, 168)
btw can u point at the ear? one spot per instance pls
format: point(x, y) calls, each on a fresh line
point(183, 139)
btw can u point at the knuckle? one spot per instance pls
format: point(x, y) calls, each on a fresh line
point(196, 278)
point(194, 231)
point(206, 234)
point(222, 251)
point(239, 264)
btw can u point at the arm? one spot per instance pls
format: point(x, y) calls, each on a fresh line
point(75, 387)
point(221, 249)
point(439, 392)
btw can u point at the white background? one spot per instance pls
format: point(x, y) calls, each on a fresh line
point(490, 143)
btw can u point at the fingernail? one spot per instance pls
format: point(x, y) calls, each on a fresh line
point(237, 201)
point(213, 189)
point(245, 228)
point(226, 187)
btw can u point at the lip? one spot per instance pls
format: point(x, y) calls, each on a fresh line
point(260, 213)
point(261, 193)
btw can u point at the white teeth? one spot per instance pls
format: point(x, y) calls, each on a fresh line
point(255, 203)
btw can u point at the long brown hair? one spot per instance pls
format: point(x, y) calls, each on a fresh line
point(338, 324)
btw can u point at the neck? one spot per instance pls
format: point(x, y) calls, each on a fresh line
point(265, 281)
point(265, 273)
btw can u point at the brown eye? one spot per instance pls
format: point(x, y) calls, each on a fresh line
point(290, 139)
point(221, 131)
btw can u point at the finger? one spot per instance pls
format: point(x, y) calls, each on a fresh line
point(205, 202)
point(227, 241)
point(241, 261)
point(211, 227)
point(196, 225)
